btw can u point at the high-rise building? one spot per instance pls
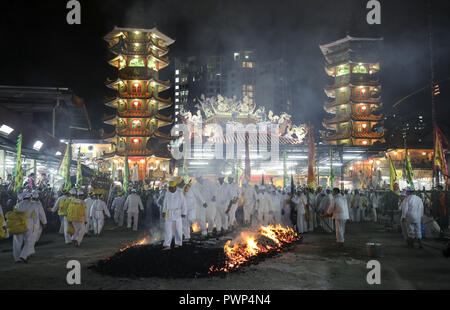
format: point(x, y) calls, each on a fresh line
point(140, 54)
point(241, 79)
point(355, 93)
point(189, 82)
point(272, 87)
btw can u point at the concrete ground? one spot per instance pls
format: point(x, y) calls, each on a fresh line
point(315, 264)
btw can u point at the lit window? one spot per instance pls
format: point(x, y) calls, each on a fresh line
point(6, 130)
point(58, 153)
point(177, 100)
point(236, 56)
point(37, 145)
point(177, 80)
point(136, 124)
point(177, 72)
point(177, 87)
point(177, 93)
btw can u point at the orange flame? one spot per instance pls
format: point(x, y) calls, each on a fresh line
point(241, 252)
point(195, 227)
point(140, 242)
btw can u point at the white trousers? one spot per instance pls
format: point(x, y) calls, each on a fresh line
point(23, 243)
point(374, 214)
point(301, 223)
point(133, 216)
point(232, 215)
point(118, 217)
point(413, 228)
point(221, 218)
point(36, 236)
point(356, 214)
point(201, 218)
point(340, 230)
point(67, 236)
point(248, 210)
point(350, 213)
point(80, 229)
point(210, 214)
point(98, 223)
point(169, 232)
point(278, 216)
point(188, 221)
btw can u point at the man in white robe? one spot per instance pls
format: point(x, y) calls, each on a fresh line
point(133, 204)
point(412, 214)
point(118, 207)
point(174, 209)
point(194, 200)
point(207, 212)
point(23, 243)
point(98, 211)
point(338, 210)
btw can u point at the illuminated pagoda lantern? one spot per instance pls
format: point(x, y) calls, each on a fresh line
point(355, 93)
point(139, 55)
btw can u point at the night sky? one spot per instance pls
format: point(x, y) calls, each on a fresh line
point(40, 49)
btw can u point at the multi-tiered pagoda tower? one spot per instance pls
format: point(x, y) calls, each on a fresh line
point(140, 54)
point(355, 94)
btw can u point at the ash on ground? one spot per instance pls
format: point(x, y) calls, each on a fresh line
point(192, 260)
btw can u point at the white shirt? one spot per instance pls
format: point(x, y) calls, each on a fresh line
point(194, 197)
point(208, 190)
point(300, 202)
point(412, 208)
point(221, 193)
point(174, 205)
point(326, 202)
point(97, 209)
point(40, 212)
point(339, 208)
point(249, 195)
point(133, 203)
point(118, 204)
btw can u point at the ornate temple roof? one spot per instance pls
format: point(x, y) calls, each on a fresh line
point(328, 48)
point(117, 31)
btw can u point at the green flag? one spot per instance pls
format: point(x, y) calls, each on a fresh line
point(408, 168)
point(393, 176)
point(18, 172)
point(126, 177)
point(79, 172)
point(64, 167)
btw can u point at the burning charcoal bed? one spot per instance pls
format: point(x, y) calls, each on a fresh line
point(198, 258)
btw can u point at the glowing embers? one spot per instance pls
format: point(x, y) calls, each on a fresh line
point(199, 257)
point(196, 227)
point(143, 241)
point(251, 245)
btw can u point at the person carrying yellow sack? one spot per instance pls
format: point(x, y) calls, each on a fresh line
point(21, 223)
point(61, 206)
point(77, 217)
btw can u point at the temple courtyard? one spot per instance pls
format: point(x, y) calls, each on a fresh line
point(316, 263)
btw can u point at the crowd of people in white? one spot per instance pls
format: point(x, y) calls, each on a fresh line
point(216, 207)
